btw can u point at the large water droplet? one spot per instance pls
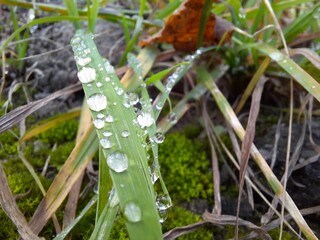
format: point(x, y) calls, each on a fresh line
point(107, 133)
point(87, 75)
point(145, 120)
point(83, 61)
point(132, 212)
point(97, 102)
point(98, 123)
point(172, 118)
point(109, 119)
point(100, 115)
point(276, 56)
point(117, 161)
point(105, 143)
point(159, 137)
point(125, 133)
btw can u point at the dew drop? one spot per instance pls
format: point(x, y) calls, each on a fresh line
point(119, 91)
point(242, 13)
point(125, 134)
point(117, 161)
point(83, 61)
point(97, 102)
point(145, 120)
point(87, 75)
point(113, 198)
point(98, 123)
point(100, 115)
point(159, 105)
point(105, 143)
point(107, 133)
point(276, 56)
point(172, 118)
point(130, 99)
point(132, 212)
point(159, 137)
point(99, 84)
point(108, 79)
point(109, 119)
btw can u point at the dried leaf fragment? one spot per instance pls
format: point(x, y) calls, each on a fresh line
point(182, 28)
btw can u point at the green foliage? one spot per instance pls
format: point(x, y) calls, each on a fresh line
point(275, 233)
point(8, 145)
point(64, 132)
point(60, 155)
point(185, 168)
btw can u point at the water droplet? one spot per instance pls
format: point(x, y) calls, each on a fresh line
point(108, 67)
point(242, 13)
point(83, 61)
point(154, 173)
point(119, 91)
point(132, 212)
point(145, 120)
point(87, 75)
point(105, 143)
point(97, 102)
point(98, 123)
point(170, 83)
point(108, 79)
point(159, 105)
point(316, 13)
point(113, 198)
point(159, 137)
point(117, 161)
point(313, 87)
point(100, 115)
point(172, 118)
point(109, 119)
point(107, 133)
point(86, 51)
point(99, 84)
point(276, 56)
point(125, 134)
point(130, 99)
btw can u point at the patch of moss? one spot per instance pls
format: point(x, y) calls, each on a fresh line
point(60, 155)
point(64, 132)
point(275, 233)
point(185, 168)
point(8, 144)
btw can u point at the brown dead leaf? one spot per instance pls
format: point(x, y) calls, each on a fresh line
point(182, 28)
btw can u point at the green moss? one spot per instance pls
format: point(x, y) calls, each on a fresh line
point(64, 132)
point(275, 233)
point(60, 155)
point(185, 168)
point(8, 144)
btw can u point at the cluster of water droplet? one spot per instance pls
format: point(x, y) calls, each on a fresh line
point(163, 203)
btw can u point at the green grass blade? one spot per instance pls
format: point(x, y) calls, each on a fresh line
point(92, 15)
point(293, 69)
point(68, 229)
point(170, 7)
point(73, 12)
point(117, 127)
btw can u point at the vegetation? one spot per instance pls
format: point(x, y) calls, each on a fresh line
point(111, 171)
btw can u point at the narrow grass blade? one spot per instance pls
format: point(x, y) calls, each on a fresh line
point(118, 130)
point(92, 15)
point(293, 69)
point(73, 12)
point(68, 229)
point(273, 182)
point(49, 123)
point(10, 207)
point(67, 176)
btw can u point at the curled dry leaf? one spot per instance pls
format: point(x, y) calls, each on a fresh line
point(182, 28)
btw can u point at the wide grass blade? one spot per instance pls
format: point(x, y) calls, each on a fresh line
point(117, 127)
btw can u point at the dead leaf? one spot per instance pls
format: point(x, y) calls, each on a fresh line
point(182, 28)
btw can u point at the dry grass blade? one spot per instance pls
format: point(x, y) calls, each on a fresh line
point(248, 138)
point(17, 115)
point(69, 173)
point(180, 231)
point(274, 183)
point(10, 207)
point(232, 220)
point(307, 53)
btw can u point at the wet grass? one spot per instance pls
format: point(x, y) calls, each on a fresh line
point(122, 118)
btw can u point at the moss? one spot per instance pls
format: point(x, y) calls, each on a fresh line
point(64, 132)
point(275, 233)
point(60, 155)
point(185, 168)
point(8, 144)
